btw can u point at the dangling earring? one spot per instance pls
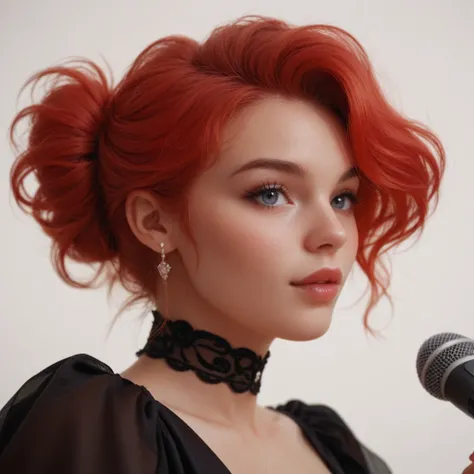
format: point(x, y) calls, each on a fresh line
point(163, 269)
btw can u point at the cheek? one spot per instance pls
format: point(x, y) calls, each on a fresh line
point(239, 247)
point(352, 244)
point(239, 240)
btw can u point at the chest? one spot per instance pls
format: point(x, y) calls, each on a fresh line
point(285, 452)
point(272, 459)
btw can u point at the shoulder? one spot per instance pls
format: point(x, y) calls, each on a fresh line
point(334, 434)
point(77, 405)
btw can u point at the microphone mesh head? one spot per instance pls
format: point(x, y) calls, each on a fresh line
point(436, 355)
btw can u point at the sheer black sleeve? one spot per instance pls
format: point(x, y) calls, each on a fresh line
point(78, 417)
point(334, 440)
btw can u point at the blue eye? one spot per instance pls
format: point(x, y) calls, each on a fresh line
point(268, 195)
point(344, 201)
point(275, 195)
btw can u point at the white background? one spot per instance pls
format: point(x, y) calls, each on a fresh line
point(423, 54)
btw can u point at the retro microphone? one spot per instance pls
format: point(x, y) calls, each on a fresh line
point(445, 367)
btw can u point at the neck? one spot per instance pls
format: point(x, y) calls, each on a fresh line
point(211, 357)
point(187, 396)
point(183, 391)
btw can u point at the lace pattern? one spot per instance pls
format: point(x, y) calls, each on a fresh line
point(209, 356)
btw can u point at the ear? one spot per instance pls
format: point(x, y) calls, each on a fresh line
point(149, 222)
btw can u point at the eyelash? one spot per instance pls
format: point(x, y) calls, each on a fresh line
point(265, 187)
point(351, 195)
point(252, 195)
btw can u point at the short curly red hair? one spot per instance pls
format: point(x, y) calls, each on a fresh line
point(92, 143)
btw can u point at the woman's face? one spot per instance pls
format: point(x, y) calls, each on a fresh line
point(275, 207)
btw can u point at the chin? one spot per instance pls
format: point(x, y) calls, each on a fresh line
point(308, 327)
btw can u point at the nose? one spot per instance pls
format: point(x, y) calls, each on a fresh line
point(327, 232)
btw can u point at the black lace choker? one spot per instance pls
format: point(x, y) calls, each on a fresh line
point(211, 357)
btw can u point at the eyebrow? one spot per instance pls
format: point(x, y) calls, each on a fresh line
point(288, 167)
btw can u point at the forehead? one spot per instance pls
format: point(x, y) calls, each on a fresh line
point(291, 129)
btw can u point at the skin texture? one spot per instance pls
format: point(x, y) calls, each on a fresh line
point(250, 250)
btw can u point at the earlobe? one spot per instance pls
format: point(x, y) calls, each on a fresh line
point(147, 220)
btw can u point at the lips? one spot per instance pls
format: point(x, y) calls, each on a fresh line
point(321, 287)
point(326, 276)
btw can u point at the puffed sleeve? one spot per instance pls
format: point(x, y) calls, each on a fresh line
point(78, 417)
point(335, 440)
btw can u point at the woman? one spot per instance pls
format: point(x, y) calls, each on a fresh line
point(229, 186)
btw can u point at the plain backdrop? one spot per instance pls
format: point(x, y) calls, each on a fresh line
point(422, 52)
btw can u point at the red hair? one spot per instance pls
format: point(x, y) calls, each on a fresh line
point(91, 144)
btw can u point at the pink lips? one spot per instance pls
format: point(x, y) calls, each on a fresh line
point(322, 286)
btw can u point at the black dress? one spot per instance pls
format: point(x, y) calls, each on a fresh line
point(79, 417)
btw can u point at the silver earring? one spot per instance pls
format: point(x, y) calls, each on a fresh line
point(164, 267)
